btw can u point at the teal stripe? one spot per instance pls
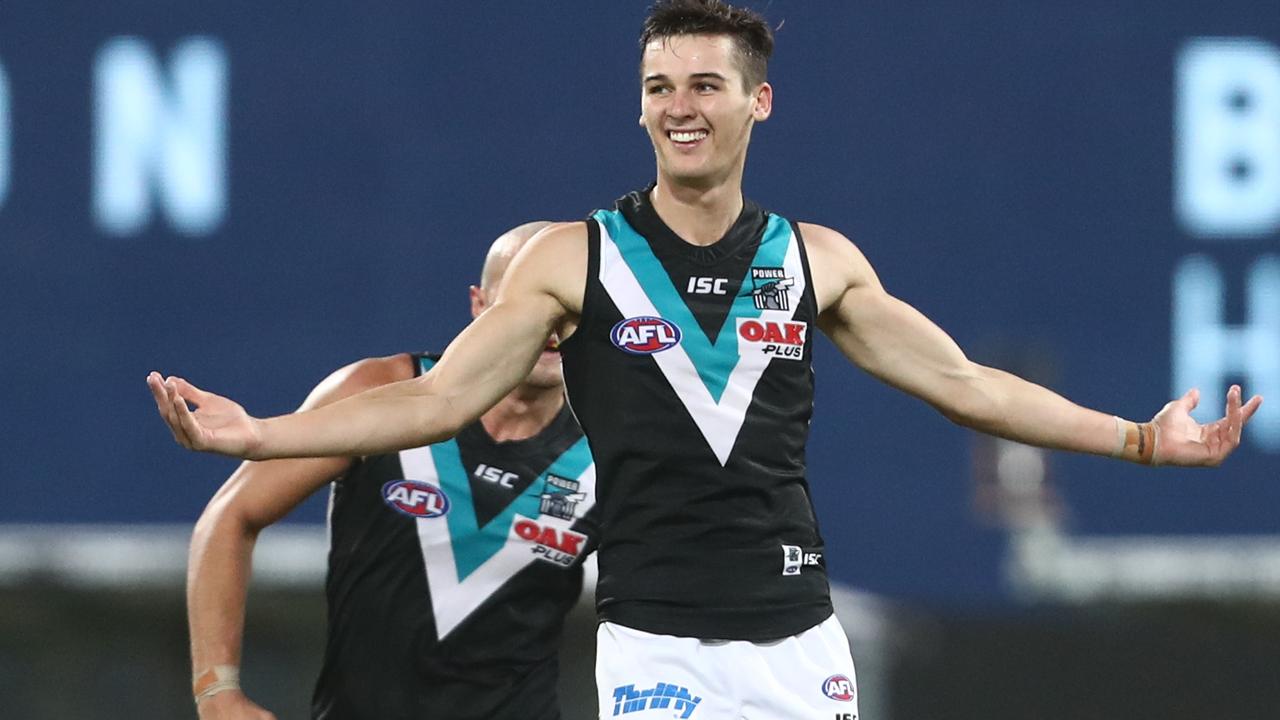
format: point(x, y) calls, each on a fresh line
point(716, 360)
point(474, 545)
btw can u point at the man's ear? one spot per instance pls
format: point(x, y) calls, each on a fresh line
point(479, 301)
point(764, 103)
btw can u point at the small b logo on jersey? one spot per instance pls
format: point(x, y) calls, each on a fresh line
point(769, 288)
point(415, 498)
point(795, 557)
point(838, 687)
point(645, 335)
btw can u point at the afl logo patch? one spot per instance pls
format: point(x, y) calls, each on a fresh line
point(415, 498)
point(645, 335)
point(838, 687)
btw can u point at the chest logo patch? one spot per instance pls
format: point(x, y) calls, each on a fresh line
point(415, 498)
point(770, 288)
point(645, 335)
point(781, 339)
point(560, 546)
point(560, 497)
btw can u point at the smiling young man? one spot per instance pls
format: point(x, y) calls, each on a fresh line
point(688, 314)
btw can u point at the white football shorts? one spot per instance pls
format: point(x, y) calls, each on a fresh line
point(642, 676)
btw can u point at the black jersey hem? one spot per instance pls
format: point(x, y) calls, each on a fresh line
point(745, 623)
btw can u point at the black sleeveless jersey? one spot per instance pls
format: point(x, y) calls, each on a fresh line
point(451, 568)
point(690, 373)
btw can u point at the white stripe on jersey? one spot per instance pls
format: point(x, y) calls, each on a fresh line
point(453, 601)
point(719, 422)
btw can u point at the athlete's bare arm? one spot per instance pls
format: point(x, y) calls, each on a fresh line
point(255, 496)
point(541, 293)
point(897, 344)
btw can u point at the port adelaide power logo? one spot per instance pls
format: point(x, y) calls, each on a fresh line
point(560, 497)
point(770, 288)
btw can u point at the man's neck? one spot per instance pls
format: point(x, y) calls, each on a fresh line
point(525, 412)
point(700, 216)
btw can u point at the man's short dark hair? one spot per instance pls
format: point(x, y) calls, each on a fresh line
point(748, 30)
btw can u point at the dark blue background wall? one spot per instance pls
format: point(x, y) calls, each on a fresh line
point(1008, 167)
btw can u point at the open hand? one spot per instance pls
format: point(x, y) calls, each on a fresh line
point(1183, 441)
point(216, 425)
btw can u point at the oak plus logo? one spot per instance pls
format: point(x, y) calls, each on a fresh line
point(560, 546)
point(775, 339)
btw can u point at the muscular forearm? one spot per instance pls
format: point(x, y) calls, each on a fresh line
point(392, 417)
point(217, 584)
point(1002, 404)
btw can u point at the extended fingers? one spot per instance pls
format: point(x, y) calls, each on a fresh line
point(189, 391)
point(187, 426)
point(164, 395)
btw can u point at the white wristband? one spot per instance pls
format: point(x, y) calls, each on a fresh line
point(214, 680)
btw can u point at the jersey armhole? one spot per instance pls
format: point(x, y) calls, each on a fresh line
point(593, 271)
point(810, 295)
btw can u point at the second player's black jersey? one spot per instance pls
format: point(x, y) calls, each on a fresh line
point(451, 568)
point(690, 372)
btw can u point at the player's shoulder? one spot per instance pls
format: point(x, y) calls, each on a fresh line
point(558, 239)
point(554, 260)
point(361, 375)
point(826, 243)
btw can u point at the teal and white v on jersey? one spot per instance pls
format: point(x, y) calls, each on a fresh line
point(690, 373)
point(451, 569)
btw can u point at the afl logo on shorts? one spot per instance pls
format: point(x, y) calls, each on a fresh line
point(645, 335)
point(415, 498)
point(838, 687)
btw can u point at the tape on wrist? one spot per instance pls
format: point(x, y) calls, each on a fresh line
point(1136, 442)
point(214, 680)
point(1121, 435)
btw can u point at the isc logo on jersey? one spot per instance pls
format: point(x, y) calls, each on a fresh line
point(415, 498)
point(838, 687)
point(555, 545)
point(773, 338)
point(645, 335)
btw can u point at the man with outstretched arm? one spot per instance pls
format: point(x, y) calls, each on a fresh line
point(686, 315)
point(451, 567)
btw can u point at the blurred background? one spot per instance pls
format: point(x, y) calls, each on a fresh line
point(252, 194)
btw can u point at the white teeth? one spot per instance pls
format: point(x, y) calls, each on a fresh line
point(689, 136)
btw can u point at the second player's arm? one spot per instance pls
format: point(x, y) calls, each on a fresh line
point(900, 346)
point(255, 496)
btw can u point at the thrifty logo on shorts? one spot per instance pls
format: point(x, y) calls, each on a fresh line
point(626, 699)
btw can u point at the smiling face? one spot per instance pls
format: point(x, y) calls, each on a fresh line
point(697, 110)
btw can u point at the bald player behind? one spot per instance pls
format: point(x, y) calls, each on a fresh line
point(451, 567)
